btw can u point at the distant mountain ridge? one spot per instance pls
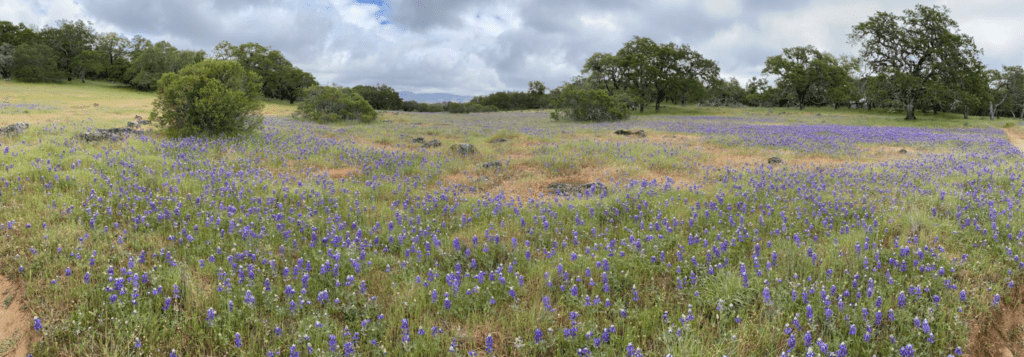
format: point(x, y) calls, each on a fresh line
point(434, 97)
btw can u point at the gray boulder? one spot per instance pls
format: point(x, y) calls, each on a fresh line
point(432, 144)
point(418, 141)
point(499, 140)
point(774, 160)
point(491, 164)
point(133, 124)
point(463, 149)
point(13, 129)
point(902, 151)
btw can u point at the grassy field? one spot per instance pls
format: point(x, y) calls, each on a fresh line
point(874, 236)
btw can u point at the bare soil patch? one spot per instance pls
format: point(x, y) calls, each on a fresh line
point(342, 172)
point(16, 334)
point(1015, 138)
point(1002, 333)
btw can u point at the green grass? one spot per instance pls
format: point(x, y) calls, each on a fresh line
point(108, 204)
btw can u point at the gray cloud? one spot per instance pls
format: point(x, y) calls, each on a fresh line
point(474, 47)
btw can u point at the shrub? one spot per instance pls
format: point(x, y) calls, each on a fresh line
point(587, 104)
point(333, 104)
point(209, 97)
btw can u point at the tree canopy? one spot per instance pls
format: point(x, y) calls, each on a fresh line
point(651, 71)
point(281, 80)
point(36, 62)
point(807, 73)
point(380, 97)
point(151, 62)
point(908, 52)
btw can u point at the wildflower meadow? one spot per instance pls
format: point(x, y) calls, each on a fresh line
point(874, 236)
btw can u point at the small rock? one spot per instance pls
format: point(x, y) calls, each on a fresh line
point(143, 122)
point(95, 104)
point(499, 140)
point(138, 117)
point(819, 114)
point(13, 129)
point(432, 144)
point(491, 164)
point(902, 151)
point(568, 189)
point(133, 125)
point(774, 160)
point(463, 149)
point(418, 141)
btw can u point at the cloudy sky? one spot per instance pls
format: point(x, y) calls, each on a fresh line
point(474, 47)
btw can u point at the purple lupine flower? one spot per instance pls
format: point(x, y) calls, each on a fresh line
point(210, 314)
point(489, 343)
point(37, 324)
point(907, 351)
point(238, 339)
point(537, 336)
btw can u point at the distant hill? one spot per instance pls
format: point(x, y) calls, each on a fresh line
point(434, 97)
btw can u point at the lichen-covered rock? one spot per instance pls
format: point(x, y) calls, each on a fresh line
point(112, 134)
point(13, 129)
point(418, 141)
point(774, 160)
point(491, 164)
point(463, 149)
point(133, 124)
point(432, 144)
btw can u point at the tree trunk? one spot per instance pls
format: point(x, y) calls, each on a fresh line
point(910, 112)
point(801, 105)
point(965, 112)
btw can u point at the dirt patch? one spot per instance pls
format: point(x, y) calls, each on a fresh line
point(1015, 138)
point(1002, 333)
point(342, 172)
point(16, 334)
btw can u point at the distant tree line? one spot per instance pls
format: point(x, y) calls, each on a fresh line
point(911, 62)
point(74, 50)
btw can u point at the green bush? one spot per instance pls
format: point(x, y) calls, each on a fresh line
point(333, 104)
point(586, 104)
point(209, 97)
point(34, 62)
